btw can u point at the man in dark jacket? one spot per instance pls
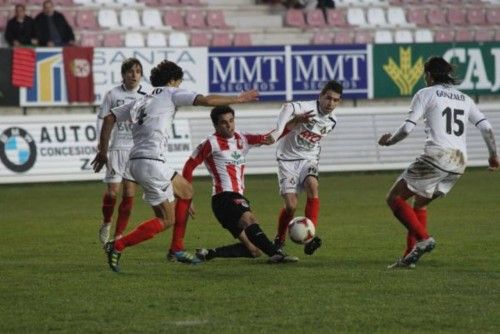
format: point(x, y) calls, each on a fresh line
point(52, 29)
point(20, 29)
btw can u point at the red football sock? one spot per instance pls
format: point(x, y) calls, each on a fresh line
point(143, 232)
point(410, 238)
point(181, 218)
point(312, 210)
point(283, 221)
point(108, 206)
point(123, 214)
point(405, 214)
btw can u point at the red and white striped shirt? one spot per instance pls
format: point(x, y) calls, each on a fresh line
point(224, 159)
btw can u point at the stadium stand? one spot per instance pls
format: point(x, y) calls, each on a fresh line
point(243, 22)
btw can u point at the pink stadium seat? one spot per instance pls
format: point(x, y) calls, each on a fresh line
point(113, 40)
point(64, 3)
point(151, 3)
point(315, 18)
point(456, 16)
point(86, 19)
point(464, 35)
point(191, 2)
point(363, 37)
point(418, 16)
point(195, 19)
point(336, 18)
point(295, 18)
point(90, 39)
point(200, 39)
point(437, 16)
point(483, 35)
point(342, 37)
point(174, 19)
point(215, 19)
point(322, 38)
point(69, 15)
point(493, 15)
point(476, 16)
point(445, 35)
point(221, 39)
point(242, 39)
point(18, 2)
point(169, 2)
point(3, 19)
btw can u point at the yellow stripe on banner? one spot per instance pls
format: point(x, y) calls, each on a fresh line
point(46, 78)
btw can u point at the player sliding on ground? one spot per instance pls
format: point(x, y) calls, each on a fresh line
point(445, 111)
point(224, 154)
point(152, 118)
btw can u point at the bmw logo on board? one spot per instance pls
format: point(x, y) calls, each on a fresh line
point(17, 149)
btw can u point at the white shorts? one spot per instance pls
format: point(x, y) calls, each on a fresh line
point(155, 178)
point(292, 174)
point(116, 166)
point(428, 180)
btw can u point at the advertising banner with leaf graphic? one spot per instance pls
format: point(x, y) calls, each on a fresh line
point(397, 69)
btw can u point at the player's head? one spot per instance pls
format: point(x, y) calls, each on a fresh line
point(330, 96)
point(131, 72)
point(439, 71)
point(223, 120)
point(166, 73)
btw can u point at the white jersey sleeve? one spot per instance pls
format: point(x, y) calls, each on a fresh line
point(123, 112)
point(183, 97)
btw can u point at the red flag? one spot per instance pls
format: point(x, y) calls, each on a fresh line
point(23, 67)
point(78, 74)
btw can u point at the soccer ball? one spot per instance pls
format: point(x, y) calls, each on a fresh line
point(301, 230)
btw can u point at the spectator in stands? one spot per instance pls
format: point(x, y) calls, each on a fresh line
point(20, 29)
point(52, 29)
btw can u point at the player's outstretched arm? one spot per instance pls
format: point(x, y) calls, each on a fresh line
point(101, 157)
point(221, 100)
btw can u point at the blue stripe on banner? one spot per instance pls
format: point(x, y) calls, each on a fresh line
point(57, 84)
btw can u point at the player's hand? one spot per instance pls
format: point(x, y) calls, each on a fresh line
point(267, 139)
point(384, 139)
point(248, 96)
point(494, 163)
point(100, 160)
point(303, 118)
point(192, 211)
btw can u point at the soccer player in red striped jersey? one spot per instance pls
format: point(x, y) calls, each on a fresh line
point(224, 154)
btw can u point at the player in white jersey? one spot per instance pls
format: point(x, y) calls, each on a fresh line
point(152, 118)
point(119, 147)
point(300, 128)
point(224, 154)
point(445, 111)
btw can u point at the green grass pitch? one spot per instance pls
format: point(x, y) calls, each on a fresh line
point(54, 277)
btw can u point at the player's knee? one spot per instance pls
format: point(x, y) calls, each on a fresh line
point(186, 192)
point(111, 193)
point(290, 210)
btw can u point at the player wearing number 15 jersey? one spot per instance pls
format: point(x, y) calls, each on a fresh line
point(151, 118)
point(300, 128)
point(445, 111)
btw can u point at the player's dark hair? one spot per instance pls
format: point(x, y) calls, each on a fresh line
point(440, 70)
point(165, 72)
point(334, 86)
point(220, 110)
point(19, 5)
point(128, 63)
